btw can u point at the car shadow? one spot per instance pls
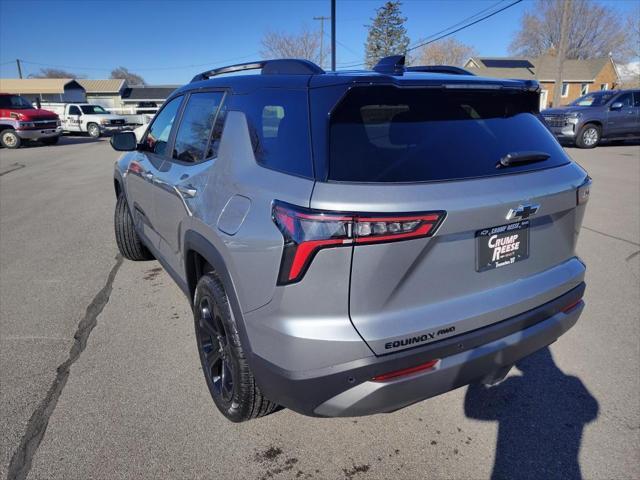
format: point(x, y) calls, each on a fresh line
point(67, 140)
point(541, 415)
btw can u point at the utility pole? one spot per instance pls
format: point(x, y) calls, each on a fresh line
point(19, 67)
point(333, 35)
point(322, 19)
point(562, 51)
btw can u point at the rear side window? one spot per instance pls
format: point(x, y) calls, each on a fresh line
point(192, 140)
point(387, 134)
point(278, 122)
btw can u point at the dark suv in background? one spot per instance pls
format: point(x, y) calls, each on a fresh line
point(604, 115)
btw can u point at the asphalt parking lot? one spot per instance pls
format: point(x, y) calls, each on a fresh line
point(100, 377)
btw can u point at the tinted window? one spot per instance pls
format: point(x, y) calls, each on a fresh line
point(386, 134)
point(93, 109)
point(217, 132)
point(196, 125)
point(73, 110)
point(593, 99)
point(279, 128)
point(158, 134)
point(625, 99)
point(636, 99)
point(14, 101)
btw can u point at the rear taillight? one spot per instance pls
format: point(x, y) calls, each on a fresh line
point(306, 231)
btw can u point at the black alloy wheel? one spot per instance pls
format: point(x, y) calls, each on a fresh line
point(218, 363)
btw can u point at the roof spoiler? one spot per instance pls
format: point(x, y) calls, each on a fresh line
point(282, 66)
point(394, 65)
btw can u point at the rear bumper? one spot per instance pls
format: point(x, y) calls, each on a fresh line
point(37, 133)
point(347, 389)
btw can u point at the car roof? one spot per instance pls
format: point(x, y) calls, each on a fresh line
point(299, 74)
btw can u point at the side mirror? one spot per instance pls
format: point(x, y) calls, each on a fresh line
point(616, 106)
point(124, 141)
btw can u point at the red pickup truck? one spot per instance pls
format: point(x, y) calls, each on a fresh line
point(20, 121)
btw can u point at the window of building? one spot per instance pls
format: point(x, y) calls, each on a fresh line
point(196, 126)
point(584, 89)
point(565, 89)
point(604, 86)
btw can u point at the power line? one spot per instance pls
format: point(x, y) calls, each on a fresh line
point(467, 19)
point(465, 26)
point(440, 37)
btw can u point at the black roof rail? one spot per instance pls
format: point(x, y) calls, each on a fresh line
point(440, 69)
point(281, 66)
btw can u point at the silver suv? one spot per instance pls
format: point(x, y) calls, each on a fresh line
point(354, 242)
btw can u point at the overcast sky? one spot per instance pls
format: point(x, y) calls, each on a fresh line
point(170, 41)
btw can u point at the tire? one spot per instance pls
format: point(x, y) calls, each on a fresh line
point(10, 139)
point(93, 130)
point(127, 239)
point(229, 379)
point(50, 140)
point(589, 136)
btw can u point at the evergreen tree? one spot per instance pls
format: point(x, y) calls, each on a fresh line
point(387, 35)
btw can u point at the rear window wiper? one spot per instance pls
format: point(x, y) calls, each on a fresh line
point(517, 158)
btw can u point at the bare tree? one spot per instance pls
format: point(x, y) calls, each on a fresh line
point(633, 28)
point(54, 73)
point(594, 31)
point(445, 52)
point(124, 74)
point(305, 44)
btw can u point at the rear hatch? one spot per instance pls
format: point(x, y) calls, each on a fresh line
point(507, 240)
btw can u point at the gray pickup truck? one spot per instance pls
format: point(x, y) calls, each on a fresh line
point(607, 114)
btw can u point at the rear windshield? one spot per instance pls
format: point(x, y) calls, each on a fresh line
point(388, 134)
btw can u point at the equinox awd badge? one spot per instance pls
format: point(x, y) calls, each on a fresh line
point(523, 211)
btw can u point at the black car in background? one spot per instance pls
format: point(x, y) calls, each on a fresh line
point(607, 114)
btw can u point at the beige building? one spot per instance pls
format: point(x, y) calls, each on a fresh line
point(107, 93)
point(579, 76)
point(44, 89)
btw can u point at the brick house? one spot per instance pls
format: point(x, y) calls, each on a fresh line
point(580, 76)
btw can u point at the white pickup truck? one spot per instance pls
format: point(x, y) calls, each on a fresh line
point(84, 117)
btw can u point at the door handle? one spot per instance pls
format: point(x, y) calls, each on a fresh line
point(187, 191)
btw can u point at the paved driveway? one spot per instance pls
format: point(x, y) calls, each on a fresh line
point(128, 401)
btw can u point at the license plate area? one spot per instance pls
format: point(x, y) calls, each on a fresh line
point(502, 245)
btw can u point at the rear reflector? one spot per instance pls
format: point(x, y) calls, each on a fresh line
point(406, 371)
point(584, 191)
point(571, 306)
point(306, 231)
